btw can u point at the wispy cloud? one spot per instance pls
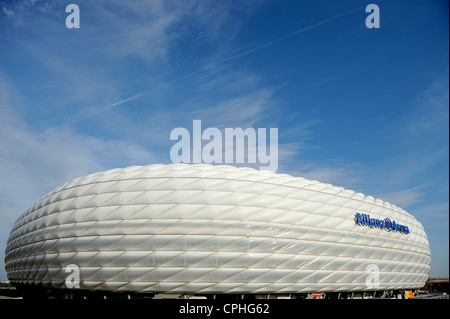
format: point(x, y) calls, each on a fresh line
point(422, 136)
point(431, 113)
point(32, 166)
point(337, 174)
point(243, 111)
point(405, 198)
point(109, 94)
point(149, 38)
point(287, 36)
point(436, 211)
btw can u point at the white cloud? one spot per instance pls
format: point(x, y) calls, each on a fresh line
point(31, 166)
point(421, 142)
point(287, 152)
point(150, 29)
point(404, 198)
point(9, 13)
point(19, 12)
point(139, 28)
point(243, 111)
point(432, 113)
point(437, 210)
point(335, 175)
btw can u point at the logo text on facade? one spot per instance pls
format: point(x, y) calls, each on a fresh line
point(387, 224)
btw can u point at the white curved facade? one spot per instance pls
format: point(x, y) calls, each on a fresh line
point(213, 229)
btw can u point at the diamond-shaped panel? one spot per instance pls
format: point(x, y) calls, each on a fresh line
point(212, 229)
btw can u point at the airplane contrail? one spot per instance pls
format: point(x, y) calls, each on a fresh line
point(261, 46)
point(238, 55)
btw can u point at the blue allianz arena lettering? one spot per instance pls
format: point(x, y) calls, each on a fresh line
point(387, 224)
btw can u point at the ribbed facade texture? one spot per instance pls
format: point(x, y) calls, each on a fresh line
point(214, 229)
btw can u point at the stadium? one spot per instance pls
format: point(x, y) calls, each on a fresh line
point(186, 231)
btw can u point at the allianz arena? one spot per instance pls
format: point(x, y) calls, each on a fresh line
point(202, 230)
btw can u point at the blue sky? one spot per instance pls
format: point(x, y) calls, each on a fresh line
point(366, 109)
